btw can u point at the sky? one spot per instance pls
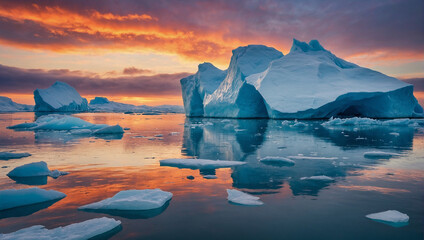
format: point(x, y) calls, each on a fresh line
point(137, 51)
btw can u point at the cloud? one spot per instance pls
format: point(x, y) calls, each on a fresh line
point(136, 71)
point(25, 81)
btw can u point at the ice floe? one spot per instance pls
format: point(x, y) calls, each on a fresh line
point(13, 155)
point(390, 217)
point(35, 169)
point(12, 198)
point(199, 163)
point(242, 198)
point(318, 178)
point(379, 154)
point(277, 161)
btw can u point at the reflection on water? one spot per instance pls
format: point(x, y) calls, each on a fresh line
point(101, 167)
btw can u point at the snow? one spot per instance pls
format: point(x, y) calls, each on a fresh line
point(199, 163)
point(277, 160)
point(76, 231)
point(13, 155)
point(379, 154)
point(60, 97)
point(242, 198)
point(128, 200)
point(35, 169)
point(12, 198)
point(116, 129)
point(7, 105)
point(301, 157)
point(389, 216)
point(309, 82)
point(318, 178)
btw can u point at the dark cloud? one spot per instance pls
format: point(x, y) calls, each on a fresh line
point(25, 81)
point(136, 71)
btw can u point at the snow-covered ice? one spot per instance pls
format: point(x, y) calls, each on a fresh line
point(12, 198)
point(7, 105)
point(76, 231)
point(13, 155)
point(391, 216)
point(318, 178)
point(277, 160)
point(242, 198)
point(146, 199)
point(60, 97)
point(35, 169)
point(379, 154)
point(199, 163)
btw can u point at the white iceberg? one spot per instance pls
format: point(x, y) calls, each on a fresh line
point(35, 169)
point(7, 105)
point(379, 154)
point(116, 129)
point(199, 163)
point(277, 161)
point(318, 178)
point(13, 155)
point(242, 198)
point(390, 216)
point(133, 200)
point(309, 82)
point(60, 97)
point(76, 231)
point(12, 198)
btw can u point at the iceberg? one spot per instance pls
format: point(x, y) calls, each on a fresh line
point(102, 104)
point(308, 83)
point(318, 178)
point(60, 97)
point(379, 154)
point(132, 200)
point(89, 229)
point(13, 155)
point(241, 198)
point(35, 169)
point(7, 105)
point(277, 161)
point(391, 217)
point(199, 163)
point(12, 198)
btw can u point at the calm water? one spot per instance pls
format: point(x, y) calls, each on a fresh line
point(293, 209)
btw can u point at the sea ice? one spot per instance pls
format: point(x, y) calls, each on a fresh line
point(379, 154)
point(392, 216)
point(133, 200)
point(199, 163)
point(242, 198)
point(12, 198)
point(318, 178)
point(35, 169)
point(12, 155)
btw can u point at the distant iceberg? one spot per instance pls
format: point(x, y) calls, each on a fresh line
point(308, 83)
point(7, 105)
point(12, 198)
point(84, 230)
point(60, 97)
point(102, 104)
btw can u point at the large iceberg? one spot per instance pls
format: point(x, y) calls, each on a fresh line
point(7, 105)
point(60, 97)
point(91, 229)
point(12, 198)
point(308, 83)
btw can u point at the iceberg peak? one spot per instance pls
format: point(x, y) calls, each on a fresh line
point(299, 46)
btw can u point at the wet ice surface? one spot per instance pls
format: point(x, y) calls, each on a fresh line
point(100, 166)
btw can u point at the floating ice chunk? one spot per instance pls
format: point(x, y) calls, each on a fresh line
point(130, 200)
point(210, 177)
point(159, 135)
point(301, 157)
point(174, 133)
point(12, 198)
point(378, 154)
point(390, 216)
point(12, 155)
point(356, 121)
point(35, 169)
point(299, 125)
point(242, 198)
point(83, 230)
point(199, 163)
point(110, 130)
point(318, 178)
point(277, 161)
point(394, 134)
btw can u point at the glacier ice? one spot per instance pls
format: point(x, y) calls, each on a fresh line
point(308, 83)
point(390, 217)
point(12, 198)
point(133, 200)
point(60, 97)
point(199, 163)
point(7, 105)
point(88, 229)
point(35, 169)
point(13, 155)
point(242, 198)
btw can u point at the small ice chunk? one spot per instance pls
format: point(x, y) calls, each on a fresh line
point(242, 198)
point(379, 154)
point(83, 230)
point(394, 134)
point(12, 198)
point(210, 177)
point(277, 160)
point(133, 200)
point(35, 169)
point(301, 157)
point(57, 173)
point(391, 216)
point(199, 163)
point(318, 178)
point(116, 129)
point(174, 133)
point(12, 155)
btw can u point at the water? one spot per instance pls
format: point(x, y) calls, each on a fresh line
point(293, 209)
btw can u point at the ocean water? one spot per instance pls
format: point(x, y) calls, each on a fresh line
point(293, 208)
